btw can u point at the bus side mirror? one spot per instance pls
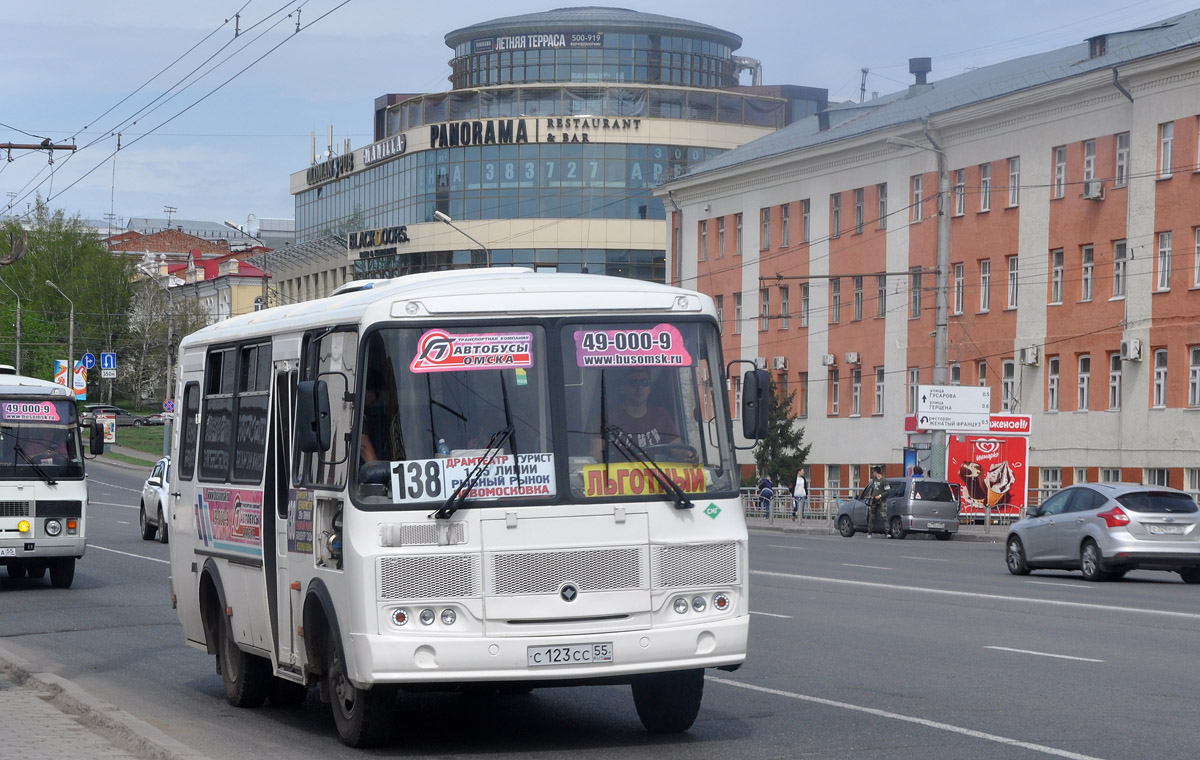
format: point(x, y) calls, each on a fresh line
point(312, 416)
point(96, 438)
point(756, 390)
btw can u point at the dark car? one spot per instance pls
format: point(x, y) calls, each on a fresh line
point(149, 419)
point(123, 417)
point(915, 505)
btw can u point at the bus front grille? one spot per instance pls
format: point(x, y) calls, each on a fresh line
point(14, 508)
point(608, 569)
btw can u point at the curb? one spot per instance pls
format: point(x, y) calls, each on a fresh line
point(976, 536)
point(129, 733)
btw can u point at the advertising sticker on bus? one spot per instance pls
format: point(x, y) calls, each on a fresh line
point(29, 411)
point(230, 520)
point(417, 480)
point(637, 479)
point(441, 351)
point(658, 346)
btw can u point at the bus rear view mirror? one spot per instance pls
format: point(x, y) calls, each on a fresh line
point(96, 438)
point(756, 390)
point(312, 416)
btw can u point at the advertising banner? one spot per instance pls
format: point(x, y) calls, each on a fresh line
point(230, 519)
point(992, 471)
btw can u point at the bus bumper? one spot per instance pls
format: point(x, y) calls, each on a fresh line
point(40, 548)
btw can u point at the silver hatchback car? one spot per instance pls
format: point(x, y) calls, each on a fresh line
point(1108, 529)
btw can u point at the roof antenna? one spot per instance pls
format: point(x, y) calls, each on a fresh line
point(862, 87)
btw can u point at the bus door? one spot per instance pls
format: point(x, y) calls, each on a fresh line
point(286, 534)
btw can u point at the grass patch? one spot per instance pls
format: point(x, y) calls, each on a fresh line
point(148, 439)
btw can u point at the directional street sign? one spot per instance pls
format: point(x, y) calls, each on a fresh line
point(108, 360)
point(958, 408)
point(89, 360)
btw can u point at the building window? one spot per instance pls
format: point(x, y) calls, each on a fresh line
point(1052, 384)
point(985, 285)
point(859, 201)
point(764, 237)
point(835, 300)
point(1121, 177)
point(1014, 181)
point(1085, 383)
point(1008, 386)
point(1080, 475)
point(835, 217)
point(1158, 476)
point(1160, 379)
point(916, 197)
point(785, 225)
point(858, 298)
point(719, 302)
point(879, 378)
point(855, 392)
point(1051, 479)
point(982, 371)
point(804, 301)
point(1196, 259)
point(880, 295)
point(1089, 164)
point(1086, 273)
point(1060, 172)
point(834, 393)
point(764, 318)
point(721, 238)
point(784, 307)
point(955, 373)
point(1119, 262)
point(1191, 481)
point(805, 220)
point(803, 394)
point(958, 289)
point(1166, 148)
point(960, 191)
point(1012, 282)
point(703, 252)
point(737, 397)
point(833, 480)
point(914, 382)
point(737, 313)
point(914, 292)
point(1056, 276)
point(738, 242)
point(782, 382)
point(1164, 261)
point(1194, 378)
point(1114, 381)
point(1110, 475)
point(882, 188)
point(985, 187)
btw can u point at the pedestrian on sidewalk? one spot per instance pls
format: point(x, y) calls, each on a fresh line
point(766, 492)
point(799, 494)
point(876, 497)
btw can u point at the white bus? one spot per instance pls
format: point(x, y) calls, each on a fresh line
point(43, 494)
point(474, 479)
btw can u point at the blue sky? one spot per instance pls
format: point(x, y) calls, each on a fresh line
point(92, 69)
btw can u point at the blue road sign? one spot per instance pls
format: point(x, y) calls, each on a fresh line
point(108, 360)
point(89, 360)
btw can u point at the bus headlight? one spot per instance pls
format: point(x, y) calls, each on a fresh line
point(449, 616)
point(699, 603)
point(681, 605)
point(427, 616)
point(53, 527)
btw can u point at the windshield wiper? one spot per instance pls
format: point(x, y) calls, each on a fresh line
point(459, 496)
point(34, 465)
point(633, 452)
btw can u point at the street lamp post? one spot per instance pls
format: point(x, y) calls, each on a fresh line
point(169, 388)
point(70, 339)
point(18, 296)
point(445, 219)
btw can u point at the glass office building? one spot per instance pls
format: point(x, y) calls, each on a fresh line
point(545, 152)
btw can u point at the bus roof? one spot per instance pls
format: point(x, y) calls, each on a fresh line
point(20, 385)
point(463, 293)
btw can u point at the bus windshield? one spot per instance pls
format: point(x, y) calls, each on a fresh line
point(39, 439)
point(469, 413)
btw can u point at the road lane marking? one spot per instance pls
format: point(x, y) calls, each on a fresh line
point(114, 485)
point(110, 504)
point(976, 595)
point(1064, 585)
point(907, 719)
point(771, 614)
point(925, 559)
point(129, 554)
point(869, 567)
point(1044, 654)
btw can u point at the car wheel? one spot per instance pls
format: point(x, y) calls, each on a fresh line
point(363, 717)
point(1089, 562)
point(1014, 557)
point(845, 527)
point(162, 527)
point(896, 528)
point(1190, 574)
point(668, 703)
point(944, 535)
point(137, 423)
point(148, 530)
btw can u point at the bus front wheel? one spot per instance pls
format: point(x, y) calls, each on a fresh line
point(363, 716)
point(62, 572)
point(668, 703)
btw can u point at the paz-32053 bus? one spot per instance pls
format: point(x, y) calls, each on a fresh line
point(491, 478)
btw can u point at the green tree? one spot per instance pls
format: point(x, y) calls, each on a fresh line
point(782, 452)
point(155, 316)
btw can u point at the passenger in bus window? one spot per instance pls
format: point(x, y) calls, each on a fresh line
point(646, 424)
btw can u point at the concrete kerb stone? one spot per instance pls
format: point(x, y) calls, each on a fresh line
point(965, 533)
point(125, 731)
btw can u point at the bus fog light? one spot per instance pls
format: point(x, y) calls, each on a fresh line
point(400, 617)
point(53, 527)
point(449, 616)
point(23, 526)
point(681, 605)
point(720, 602)
point(699, 603)
point(427, 616)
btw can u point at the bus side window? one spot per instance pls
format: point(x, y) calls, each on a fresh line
point(187, 440)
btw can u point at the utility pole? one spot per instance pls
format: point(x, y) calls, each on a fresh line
point(941, 311)
point(18, 295)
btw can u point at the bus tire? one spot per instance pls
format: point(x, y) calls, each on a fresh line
point(16, 570)
point(363, 717)
point(668, 703)
point(246, 678)
point(36, 570)
point(62, 572)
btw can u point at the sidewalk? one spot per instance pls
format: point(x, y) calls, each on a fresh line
point(996, 534)
point(50, 718)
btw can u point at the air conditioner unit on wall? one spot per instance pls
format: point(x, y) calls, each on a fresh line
point(1029, 355)
point(760, 362)
point(1093, 190)
point(852, 357)
point(828, 360)
point(779, 362)
point(1131, 350)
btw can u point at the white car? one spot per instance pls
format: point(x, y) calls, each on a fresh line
point(154, 512)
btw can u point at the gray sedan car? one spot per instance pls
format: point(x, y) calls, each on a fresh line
point(1108, 529)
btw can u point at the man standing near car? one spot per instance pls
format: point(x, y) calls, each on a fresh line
point(876, 497)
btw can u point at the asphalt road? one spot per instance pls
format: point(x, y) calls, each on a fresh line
point(860, 649)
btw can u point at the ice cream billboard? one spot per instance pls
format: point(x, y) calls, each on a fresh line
point(990, 470)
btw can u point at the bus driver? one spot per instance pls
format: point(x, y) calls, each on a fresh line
point(646, 424)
